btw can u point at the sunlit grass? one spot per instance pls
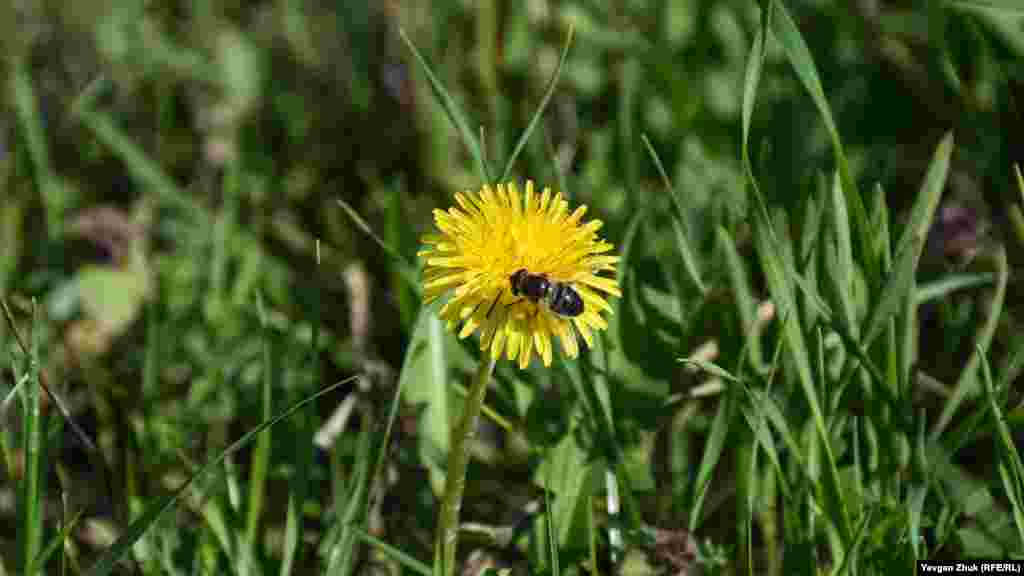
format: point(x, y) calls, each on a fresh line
point(804, 374)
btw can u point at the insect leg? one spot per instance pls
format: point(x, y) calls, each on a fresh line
point(491, 309)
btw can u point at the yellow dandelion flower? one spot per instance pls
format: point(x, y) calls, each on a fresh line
point(521, 269)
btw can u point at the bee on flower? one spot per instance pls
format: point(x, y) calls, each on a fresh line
point(521, 269)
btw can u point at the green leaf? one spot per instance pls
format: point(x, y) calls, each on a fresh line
point(424, 380)
point(566, 471)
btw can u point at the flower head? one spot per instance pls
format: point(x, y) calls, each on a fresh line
point(495, 233)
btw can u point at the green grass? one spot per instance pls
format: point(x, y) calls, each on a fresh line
point(230, 370)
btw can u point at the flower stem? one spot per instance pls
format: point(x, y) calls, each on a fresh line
point(447, 536)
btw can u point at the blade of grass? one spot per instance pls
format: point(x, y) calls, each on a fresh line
point(406, 269)
point(849, 559)
point(43, 382)
point(455, 115)
point(771, 261)
point(105, 565)
point(393, 553)
point(744, 299)
point(967, 382)
point(686, 251)
point(908, 249)
point(549, 526)
point(751, 80)
point(713, 449)
point(36, 566)
point(786, 32)
point(548, 93)
point(782, 294)
point(351, 508)
point(940, 289)
point(592, 386)
point(257, 483)
point(842, 274)
point(298, 488)
point(1011, 470)
point(33, 132)
point(757, 422)
point(30, 489)
point(1008, 5)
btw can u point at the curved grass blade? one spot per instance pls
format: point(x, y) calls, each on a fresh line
point(33, 134)
point(458, 119)
point(406, 269)
point(713, 450)
point(105, 565)
point(899, 281)
point(548, 93)
point(751, 80)
point(1011, 469)
point(942, 288)
point(679, 223)
point(744, 300)
point(1005, 5)
point(786, 32)
point(967, 383)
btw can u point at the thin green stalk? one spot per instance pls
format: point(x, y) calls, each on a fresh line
point(30, 537)
point(447, 537)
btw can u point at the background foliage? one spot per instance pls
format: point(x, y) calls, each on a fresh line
point(210, 212)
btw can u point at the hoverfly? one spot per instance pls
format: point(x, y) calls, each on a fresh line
point(560, 297)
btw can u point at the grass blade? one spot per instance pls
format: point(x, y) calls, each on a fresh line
point(1006, 5)
point(36, 566)
point(548, 93)
point(795, 347)
point(30, 489)
point(1011, 470)
point(105, 565)
point(967, 383)
point(257, 483)
point(686, 251)
point(744, 300)
point(713, 449)
point(393, 553)
point(33, 133)
point(942, 288)
point(784, 30)
point(455, 115)
point(908, 250)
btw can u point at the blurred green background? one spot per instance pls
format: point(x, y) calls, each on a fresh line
point(210, 210)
